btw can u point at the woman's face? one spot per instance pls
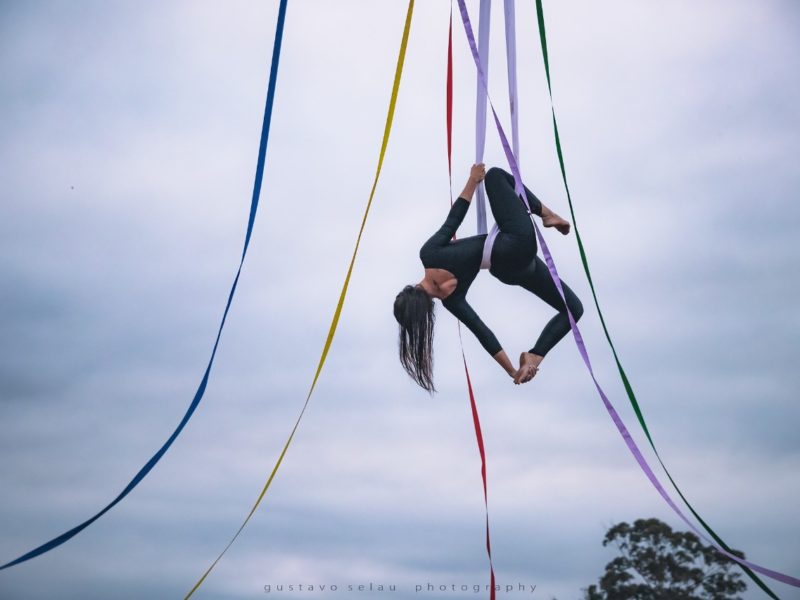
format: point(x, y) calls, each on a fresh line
point(419, 286)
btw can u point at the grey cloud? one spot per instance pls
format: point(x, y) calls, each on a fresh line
point(128, 149)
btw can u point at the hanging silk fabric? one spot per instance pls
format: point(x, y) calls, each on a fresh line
point(484, 27)
point(631, 444)
point(480, 109)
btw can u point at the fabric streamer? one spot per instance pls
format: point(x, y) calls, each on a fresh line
point(475, 419)
point(262, 150)
point(479, 436)
point(338, 311)
point(626, 383)
point(634, 449)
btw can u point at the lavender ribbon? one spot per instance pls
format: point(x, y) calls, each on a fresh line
point(480, 132)
point(576, 332)
point(480, 108)
point(511, 62)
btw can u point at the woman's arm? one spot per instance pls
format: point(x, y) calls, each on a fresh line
point(476, 175)
point(459, 307)
point(456, 215)
point(502, 358)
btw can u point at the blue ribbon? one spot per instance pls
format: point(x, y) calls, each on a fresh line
point(262, 151)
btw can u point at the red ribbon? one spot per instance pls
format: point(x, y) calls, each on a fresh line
point(475, 419)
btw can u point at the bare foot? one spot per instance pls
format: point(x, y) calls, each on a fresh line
point(553, 220)
point(528, 367)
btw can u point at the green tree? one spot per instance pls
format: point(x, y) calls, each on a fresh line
point(656, 563)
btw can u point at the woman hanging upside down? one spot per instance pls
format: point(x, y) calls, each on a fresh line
point(451, 267)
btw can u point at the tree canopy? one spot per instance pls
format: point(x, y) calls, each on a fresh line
point(657, 563)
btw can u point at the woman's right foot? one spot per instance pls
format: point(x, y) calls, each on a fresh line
point(551, 219)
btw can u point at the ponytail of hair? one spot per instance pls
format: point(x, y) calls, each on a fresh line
point(414, 311)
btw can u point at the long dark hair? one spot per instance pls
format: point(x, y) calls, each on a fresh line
point(414, 310)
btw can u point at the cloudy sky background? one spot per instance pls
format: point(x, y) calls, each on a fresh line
point(127, 149)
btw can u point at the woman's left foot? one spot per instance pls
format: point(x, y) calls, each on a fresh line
point(528, 367)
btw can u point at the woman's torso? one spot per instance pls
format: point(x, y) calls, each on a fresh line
point(459, 260)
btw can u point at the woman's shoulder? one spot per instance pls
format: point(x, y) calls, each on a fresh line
point(457, 296)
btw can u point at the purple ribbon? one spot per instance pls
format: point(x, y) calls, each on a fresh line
point(637, 454)
point(511, 62)
point(480, 113)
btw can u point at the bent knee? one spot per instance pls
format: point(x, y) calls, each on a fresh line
point(495, 173)
point(502, 275)
point(576, 308)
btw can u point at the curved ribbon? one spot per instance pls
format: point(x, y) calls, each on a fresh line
point(262, 150)
point(626, 383)
point(634, 449)
point(479, 436)
point(342, 295)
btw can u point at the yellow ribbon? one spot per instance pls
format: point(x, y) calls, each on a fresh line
point(334, 323)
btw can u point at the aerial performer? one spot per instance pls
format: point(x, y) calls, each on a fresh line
point(452, 265)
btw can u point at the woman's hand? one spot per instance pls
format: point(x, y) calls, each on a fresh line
point(502, 359)
point(477, 172)
point(476, 175)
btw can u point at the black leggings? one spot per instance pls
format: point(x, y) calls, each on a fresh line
point(514, 259)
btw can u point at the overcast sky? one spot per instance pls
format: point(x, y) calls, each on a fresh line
point(128, 143)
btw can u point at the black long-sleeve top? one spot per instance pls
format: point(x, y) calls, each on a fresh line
point(462, 257)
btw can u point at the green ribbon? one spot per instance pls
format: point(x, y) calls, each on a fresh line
point(626, 383)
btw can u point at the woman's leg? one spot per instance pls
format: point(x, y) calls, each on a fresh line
point(508, 209)
point(515, 245)
point(536, 278)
